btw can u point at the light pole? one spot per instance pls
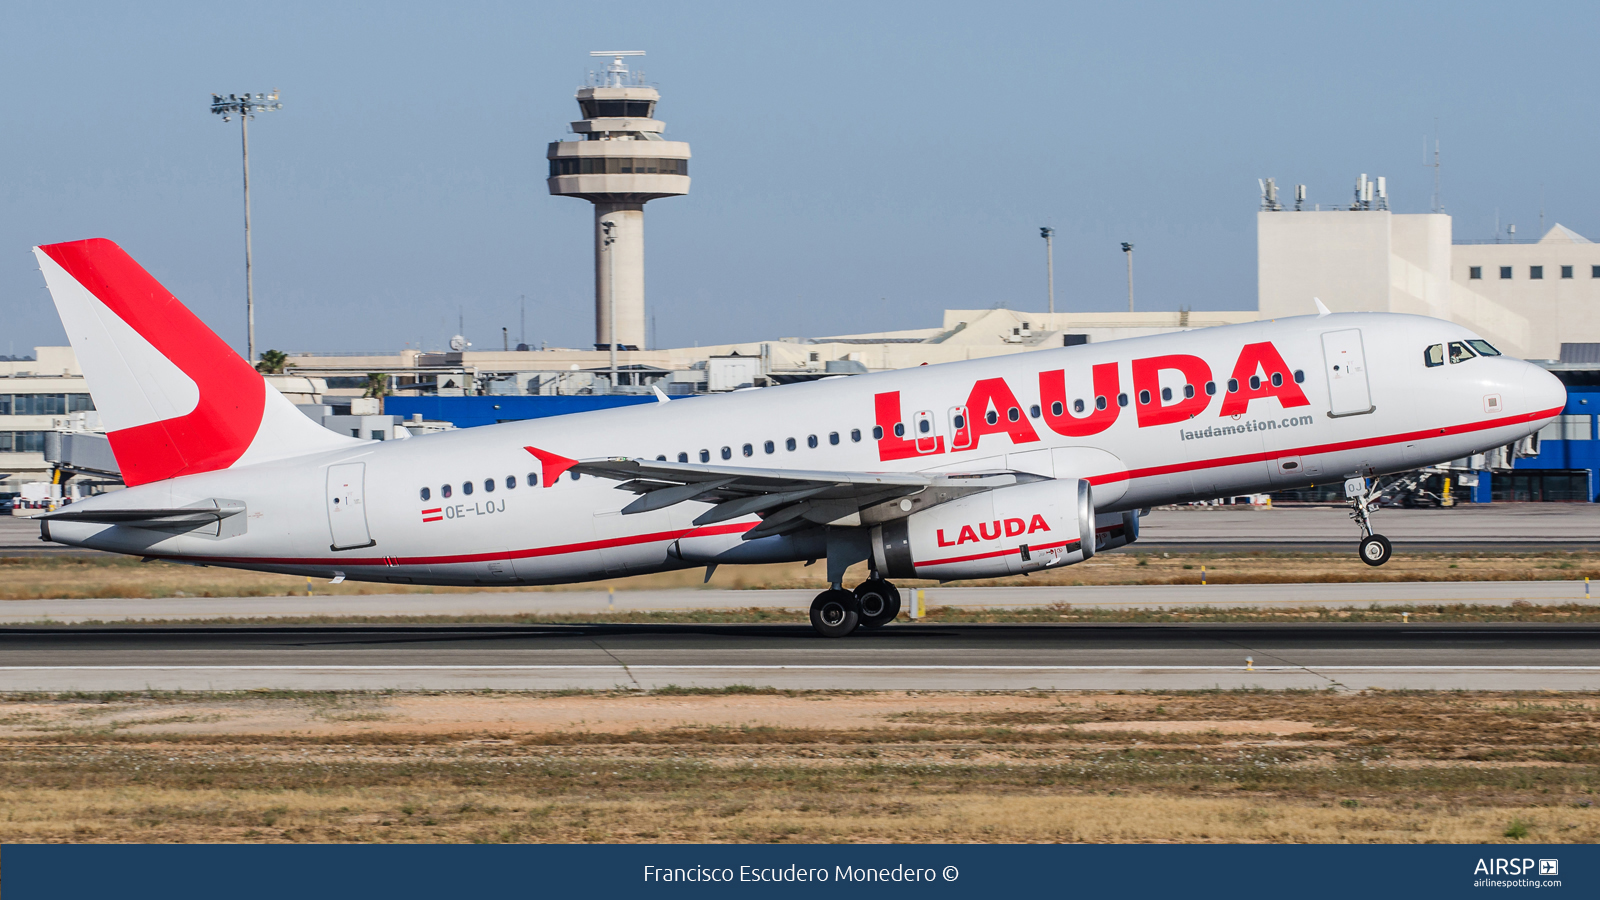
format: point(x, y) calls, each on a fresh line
point(1128, 249)
point(1050, 263)
point(245, 106)
point(611, 297)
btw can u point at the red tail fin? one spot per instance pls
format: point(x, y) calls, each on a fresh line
point(175, 399)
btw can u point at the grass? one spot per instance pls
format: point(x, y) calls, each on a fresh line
point(1060, 614)
point(67, 577)
point(752, 764)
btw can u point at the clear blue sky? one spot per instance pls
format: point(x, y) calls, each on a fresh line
point(857, 166)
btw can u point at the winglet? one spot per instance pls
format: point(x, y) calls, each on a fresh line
point(660, 397)
point(553, 464)
point(1321, 309)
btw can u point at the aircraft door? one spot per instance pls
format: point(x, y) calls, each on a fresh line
point(347, 507)
point(926, 434)
point(1345, 364)
point(960, 429)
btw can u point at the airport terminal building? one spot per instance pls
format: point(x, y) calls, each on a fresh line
point(1533, 299)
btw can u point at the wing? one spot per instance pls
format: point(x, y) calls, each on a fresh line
point(788, 499)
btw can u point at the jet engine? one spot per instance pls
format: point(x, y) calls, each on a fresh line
point(1007, 531)
point(1118, 529)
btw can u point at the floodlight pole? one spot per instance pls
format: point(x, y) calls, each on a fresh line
point(1050, 264)
point(1128, 249)
point(245, 107)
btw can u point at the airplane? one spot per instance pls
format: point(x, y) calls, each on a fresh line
point(977, 469)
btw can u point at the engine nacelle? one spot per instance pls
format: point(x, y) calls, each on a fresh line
point(1007, 531)
point(1113, 530)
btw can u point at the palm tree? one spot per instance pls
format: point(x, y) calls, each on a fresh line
point(273, 362)
point(377, 385)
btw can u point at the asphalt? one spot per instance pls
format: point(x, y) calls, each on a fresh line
point(900, 656)
point(1165, 596)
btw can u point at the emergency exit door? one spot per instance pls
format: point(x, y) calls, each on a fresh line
point(347, 507)
point(1345, 364)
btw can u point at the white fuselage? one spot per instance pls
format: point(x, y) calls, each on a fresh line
point(1401, 415)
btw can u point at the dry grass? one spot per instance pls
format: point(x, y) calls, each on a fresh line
point(765, 765)
point(53, 577)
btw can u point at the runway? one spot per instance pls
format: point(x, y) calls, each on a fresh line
point(899, 657)
point(598, 602)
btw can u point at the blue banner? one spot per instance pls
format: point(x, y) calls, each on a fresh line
point(400, 872)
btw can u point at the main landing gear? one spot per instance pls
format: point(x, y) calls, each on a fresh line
point(837, 612)
point(1374, 549)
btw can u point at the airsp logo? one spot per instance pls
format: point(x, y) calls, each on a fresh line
point(1502, 866)
point(1549, 867)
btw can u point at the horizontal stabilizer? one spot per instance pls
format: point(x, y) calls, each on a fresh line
point(183, 518)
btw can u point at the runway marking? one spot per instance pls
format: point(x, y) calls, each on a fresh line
point(476, 668)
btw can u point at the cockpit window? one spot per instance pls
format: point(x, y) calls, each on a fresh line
point(1460, 352)
point(1483, 348)
point(1434, 356)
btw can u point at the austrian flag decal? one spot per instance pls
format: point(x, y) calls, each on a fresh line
point(433, 515)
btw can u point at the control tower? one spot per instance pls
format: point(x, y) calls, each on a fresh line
point(621, 164)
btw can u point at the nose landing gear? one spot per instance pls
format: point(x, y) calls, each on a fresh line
point(837, 612)
point(1374, 549)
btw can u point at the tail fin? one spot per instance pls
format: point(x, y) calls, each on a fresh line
point(174, 399)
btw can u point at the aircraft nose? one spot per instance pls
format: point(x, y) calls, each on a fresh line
point(1543, 391)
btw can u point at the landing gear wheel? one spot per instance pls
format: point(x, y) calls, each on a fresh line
point(834, 613)
point(1375, 550)
point(879, 602)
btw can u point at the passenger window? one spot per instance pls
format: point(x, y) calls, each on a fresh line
point(1056, 409)
point(661, 458)
point(1433, 356)
point(1459, 352)
point(1166, 394)
point(1483, 348)
point(683, 457)
point(1122, 399)
point(426, 493)
point(1277, 379)
point(1144, 398)
point(1099, 403)
point(511, 482)
point(769, 446)
point(705, 456)
point(992, 417)
point(1077, 406)
point(833, 437)
point(900, 429)
point(1188, 392)
point(488, 485)
point(575, 476)
point(924, 426)
point(877, 433)
point(811, 441)
point(748, 450)
point(727, 453)
point(1013, 414)
point(445, 492)
point(1211, 388)
point(1233, 385)
point(1033, 411)
point(789, 444)
point(466, 488)
point(533, 479)
point(855, 434)
point(1299, 376)
point(1255, 382)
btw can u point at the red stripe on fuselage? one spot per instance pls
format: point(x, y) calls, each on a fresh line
point(1245, 458)
point(559, 549)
